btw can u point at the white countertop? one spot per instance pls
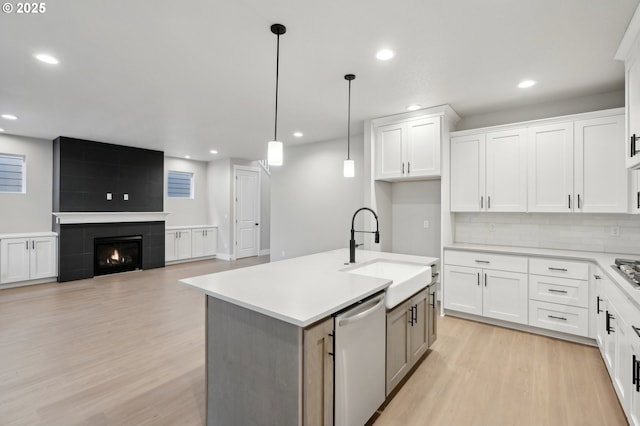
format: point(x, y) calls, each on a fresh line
point(29, 235)
point(603, 260)
point(175, 228)
point(301, 290)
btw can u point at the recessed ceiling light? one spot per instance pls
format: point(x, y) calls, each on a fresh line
point(187, 156)
point(385, 54)
point(47, 59)
point(298, 134)
point(414, 107)
point(213, 151)
point(526, 83)
point(9, 116)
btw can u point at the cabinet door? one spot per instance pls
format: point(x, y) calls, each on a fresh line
point(210, 241)
point(423, 147)
point(318, 375)
point(398, 351)
point(43, 262)
point(462, 290)
point(468, 173)
point(633, 112)
point(622, 376)
point(635, 191)
point(390, 145)
point(600, 178)
point(506, 171)
point(634, 394)
point(600, 315)
point(14, 260)
point(550, 171)
point(419, 330)
point(505, 296)
point(432, 314)
point(184, 244)
point(609, 338)
point(170, 246)
point(197, 242)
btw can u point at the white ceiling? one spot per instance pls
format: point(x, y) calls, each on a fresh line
point(187, 77)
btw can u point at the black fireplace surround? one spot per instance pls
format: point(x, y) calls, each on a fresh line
point(99, 177)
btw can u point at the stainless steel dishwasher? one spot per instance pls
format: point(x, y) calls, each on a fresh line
point(359, 361)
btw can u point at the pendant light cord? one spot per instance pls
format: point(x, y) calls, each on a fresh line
point(349, 125)
point(275, 130)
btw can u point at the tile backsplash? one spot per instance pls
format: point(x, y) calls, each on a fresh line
point(569, 231)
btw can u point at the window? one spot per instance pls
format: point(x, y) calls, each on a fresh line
point(179, 185)
point(12, 173)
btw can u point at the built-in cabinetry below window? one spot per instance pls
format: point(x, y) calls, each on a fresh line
point(555, 165)
point(187, 243)
point(28, 258)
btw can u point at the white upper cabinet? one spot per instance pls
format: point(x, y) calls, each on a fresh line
point(600, 177)
point(550, 171)
point(489, 172)
point(468, 173)
point(408, 149)
point(629, 52)
point(506, 171)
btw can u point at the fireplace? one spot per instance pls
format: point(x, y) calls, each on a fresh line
point(117, 254)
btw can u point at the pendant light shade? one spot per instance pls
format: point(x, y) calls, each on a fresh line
point(349, 169)
point(275, 147)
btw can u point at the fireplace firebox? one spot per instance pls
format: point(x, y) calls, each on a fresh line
point(117, 254)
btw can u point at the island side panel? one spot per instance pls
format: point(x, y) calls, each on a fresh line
point(253, 367)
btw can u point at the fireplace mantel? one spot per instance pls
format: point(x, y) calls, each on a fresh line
point(64, 218)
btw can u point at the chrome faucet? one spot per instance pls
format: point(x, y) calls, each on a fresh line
point(352, 242)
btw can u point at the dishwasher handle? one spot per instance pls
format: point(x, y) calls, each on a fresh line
point(377, 303)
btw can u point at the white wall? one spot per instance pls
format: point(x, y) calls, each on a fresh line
point(554, 108)
point(186, 211)
point(311, 202)
point(265, 209)
point(571, 231)
point(30, 212)
point(411, 204)
point(219, 196)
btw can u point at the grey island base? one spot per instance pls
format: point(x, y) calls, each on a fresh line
point(269, 335)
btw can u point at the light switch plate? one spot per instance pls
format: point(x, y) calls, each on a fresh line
point(109, 196)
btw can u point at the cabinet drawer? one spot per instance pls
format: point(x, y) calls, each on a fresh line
point(486, 260)
point(559, 268)
point(564, 318)
point(559, 290)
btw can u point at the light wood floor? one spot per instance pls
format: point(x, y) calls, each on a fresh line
point(128, 349)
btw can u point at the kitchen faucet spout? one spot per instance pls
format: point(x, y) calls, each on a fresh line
point(352, 242)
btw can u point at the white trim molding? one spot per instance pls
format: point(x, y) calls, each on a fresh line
point(64, 218)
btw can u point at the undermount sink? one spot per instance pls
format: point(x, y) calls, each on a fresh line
point(408, 278)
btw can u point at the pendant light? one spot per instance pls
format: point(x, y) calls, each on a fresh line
point(274, 147)
point(349, 165)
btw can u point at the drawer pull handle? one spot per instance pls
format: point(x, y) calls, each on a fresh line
point(557, 291)
point(558, 318)
point(478, 279)
point(597, 277)
point(485, 280)
point(608, 324)
point(558, 269)
point(483, 261)
point(598, 306)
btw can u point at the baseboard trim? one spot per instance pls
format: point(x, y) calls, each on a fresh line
point(524, 327)
point(224, 256)
point(264, 252)
point(30, 282)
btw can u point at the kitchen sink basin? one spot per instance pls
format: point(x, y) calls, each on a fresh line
point(408, 278)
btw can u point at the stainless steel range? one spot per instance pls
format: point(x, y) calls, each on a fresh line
point(630, 269)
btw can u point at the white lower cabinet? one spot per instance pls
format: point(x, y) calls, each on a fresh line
point(25, 259)
point(491, 293)
point(204, 242)
point(177, 245)
point(409, 330)
point(634, 393)
point(183, 244)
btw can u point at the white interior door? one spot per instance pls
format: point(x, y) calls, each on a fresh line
point(247, 212)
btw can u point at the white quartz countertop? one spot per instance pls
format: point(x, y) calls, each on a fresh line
point(175, 228)
point(29, 235)
point(603, 260)
point(301, 290)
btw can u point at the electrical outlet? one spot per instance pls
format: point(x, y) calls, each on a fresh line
point(426, 224)
point(614, 231)
point(492, 227)
point(109, 196)
point(126, 197)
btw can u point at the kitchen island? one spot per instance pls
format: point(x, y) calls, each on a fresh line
point(256, 319)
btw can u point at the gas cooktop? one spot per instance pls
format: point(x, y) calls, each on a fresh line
point(630, 269)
